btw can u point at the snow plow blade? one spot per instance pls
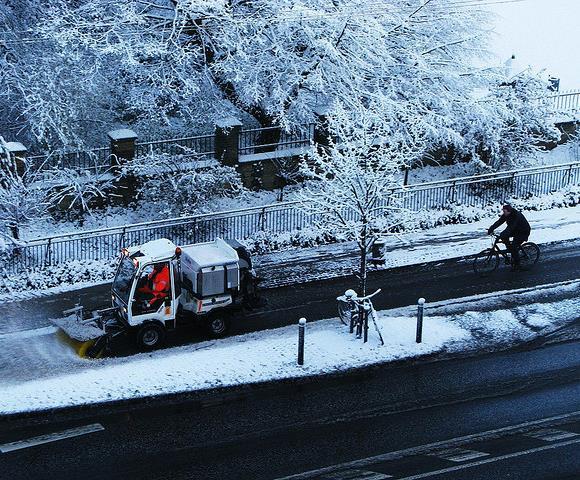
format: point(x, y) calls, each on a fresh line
point(86, 338)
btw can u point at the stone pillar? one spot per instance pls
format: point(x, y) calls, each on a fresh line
point(227, 137)
point(122, 145)
point(18, 154)
point(123, 150)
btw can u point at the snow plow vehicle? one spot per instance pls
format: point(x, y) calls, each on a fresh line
point(159, 286)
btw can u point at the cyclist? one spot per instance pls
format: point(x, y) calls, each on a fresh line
point(517, 228)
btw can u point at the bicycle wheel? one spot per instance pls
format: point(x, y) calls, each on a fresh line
point(485, 262)
point(529, 254)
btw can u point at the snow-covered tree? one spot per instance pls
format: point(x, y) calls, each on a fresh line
point(23, 198)
point(193, 61)
point(507, 126)
point(356, 179)
point(287, 173)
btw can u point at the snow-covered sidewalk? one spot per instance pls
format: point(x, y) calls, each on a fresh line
point(487, 321)
point(433, 245)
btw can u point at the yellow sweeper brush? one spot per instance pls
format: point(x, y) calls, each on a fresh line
point(83, 335)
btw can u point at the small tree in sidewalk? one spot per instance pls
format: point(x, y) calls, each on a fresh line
point(356, 181)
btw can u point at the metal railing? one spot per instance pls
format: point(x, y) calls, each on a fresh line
point(95, 160)
point(198, 145)
point(260, 140)
point(104, 244)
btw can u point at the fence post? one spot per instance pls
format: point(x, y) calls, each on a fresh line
point(122, 146)
point(301, 329)
point(263, 219)
point(420, 307)
point(48, 255)
point(321, 135)
point(195, 230)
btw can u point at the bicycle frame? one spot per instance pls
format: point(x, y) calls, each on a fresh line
point(505, 253)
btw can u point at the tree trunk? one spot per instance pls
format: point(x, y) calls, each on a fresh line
point(363, 261)
point(363, 272)
point(15, 231)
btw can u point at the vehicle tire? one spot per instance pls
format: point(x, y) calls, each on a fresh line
point(529, 254)
point(151, 336)
point(486, 262)
point(217, 326)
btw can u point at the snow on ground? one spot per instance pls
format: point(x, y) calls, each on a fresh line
point(567, 153)
point(271, 354)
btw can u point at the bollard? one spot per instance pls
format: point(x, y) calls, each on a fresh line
point(420, 307)
point(301, 328)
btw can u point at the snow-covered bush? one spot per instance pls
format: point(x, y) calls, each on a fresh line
point(67, 273)
point(176, 190)
point(77, 193)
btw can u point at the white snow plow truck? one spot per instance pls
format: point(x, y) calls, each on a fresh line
point(159, 286)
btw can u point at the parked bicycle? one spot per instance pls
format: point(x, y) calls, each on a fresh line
point(355, 311)
point(487, 261)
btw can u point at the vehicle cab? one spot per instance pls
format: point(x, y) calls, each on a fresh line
point(147, 286)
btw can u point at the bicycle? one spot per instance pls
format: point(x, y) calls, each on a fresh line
point(355, 311)
point(487, 261)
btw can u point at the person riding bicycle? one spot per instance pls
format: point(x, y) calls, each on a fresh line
point(517, 228)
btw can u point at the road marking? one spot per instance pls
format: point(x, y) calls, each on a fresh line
point(551, 434)
point(459, 454)
point(499, 458)
point(431, 447)
point(51, 437)
point(356, 475)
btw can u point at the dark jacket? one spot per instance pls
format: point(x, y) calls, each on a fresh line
point(517, 225)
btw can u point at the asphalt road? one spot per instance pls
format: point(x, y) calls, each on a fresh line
point(505, 415)
point(315, 299)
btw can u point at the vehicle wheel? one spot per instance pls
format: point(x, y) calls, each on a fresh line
point(529, 254)
point(485, 262)
point(218, 326)
point(151, 336)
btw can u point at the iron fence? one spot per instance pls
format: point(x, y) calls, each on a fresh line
point(198, 145)
point(260, 140)
point(95, 160)
point(104, 244)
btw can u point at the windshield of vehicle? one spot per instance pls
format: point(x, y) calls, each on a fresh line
point(124, 278)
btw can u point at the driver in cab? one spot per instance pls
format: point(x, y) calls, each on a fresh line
point(154, 287)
